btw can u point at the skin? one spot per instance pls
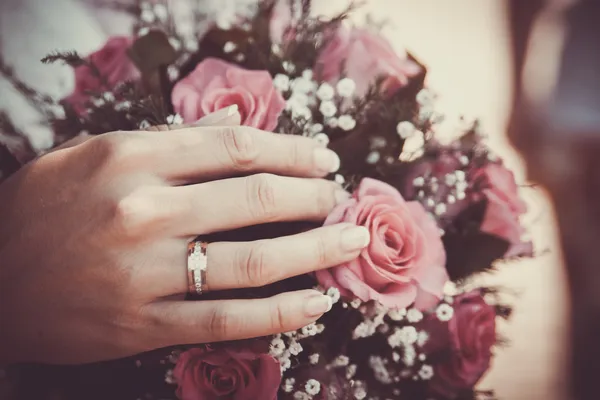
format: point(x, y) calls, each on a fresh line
point(93, 240)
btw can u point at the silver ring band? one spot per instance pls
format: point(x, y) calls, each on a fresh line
point(197, 264)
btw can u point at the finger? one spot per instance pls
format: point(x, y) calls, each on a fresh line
point(259, 263)
point(77, 140)
point(225, 117)
point(188, 322)
point(234, 203)
point(206, 153)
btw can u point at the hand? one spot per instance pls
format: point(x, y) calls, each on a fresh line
point(93, 242)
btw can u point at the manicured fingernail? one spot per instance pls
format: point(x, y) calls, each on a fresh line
point(326, 160)
point(318, 305)
point(355, 238)
point(341, 196)
point(217, 116)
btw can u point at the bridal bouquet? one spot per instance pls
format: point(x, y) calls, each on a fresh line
point(408, 321)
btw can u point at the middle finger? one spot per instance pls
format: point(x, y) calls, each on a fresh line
point(254, 200)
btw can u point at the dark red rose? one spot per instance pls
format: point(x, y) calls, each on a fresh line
point(226, 373)
point(469, 338)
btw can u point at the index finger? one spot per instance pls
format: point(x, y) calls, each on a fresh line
point(206, 153)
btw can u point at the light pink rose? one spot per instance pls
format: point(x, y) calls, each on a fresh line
point(226, 373)
point(364, 56)
point(216, 84)
point(504, 207)
point(114, 66)
point(405, 261)
point(467, 344)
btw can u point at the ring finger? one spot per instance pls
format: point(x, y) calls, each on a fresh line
point(233, 265)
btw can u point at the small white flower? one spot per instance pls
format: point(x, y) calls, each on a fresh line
point(351, 371)
point(326, 92)
point(409, 355)
point(460, 175)
point(395, 356)
point(281, 82)
point(425, 97)
point(144, 31)
point(310, 330)
point(191, 45)
point(161, 12)
point(334, 293)
point(408, 335)
point(224, 23)
point(314, 358)
point(346, 122)
point(288, 385)
point(172, 73)
point(174, 119)
point(147, 16)
point(301, 396)
point(423, 338)
point(405, 129)
point(461, 195)
point(360, 393)
point(99, 102)
point(277, 347)
point(307, 74)
point(426, 372)
point(289, 67)
point(444, 312)
point(413, 315)
point(298, 98)
point(339, 179)
point(285, 364)
point(123, 106)
point(295, 348)
point(108, 96)
point(346, 87)
point(323, 139)
point(440, 209)
point(397, 315)
point(316, 128)
point(229, 47)
point(361, 331)
point(464, 160)
point(450, 179)
point(332, 122)
point(373, 157)
point(301, 85)
point(312, 387)
point(425, 114)
point(419, 181)
point(341, 361)
point(328, 109)
point(302, 112)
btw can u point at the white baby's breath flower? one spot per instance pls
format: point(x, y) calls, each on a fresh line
point(301, 85)
point(175, 119)
point(423, 338)
point(413, 315)
point(346, 87)
point(341, 361)
point(426, 372)
point(314, 358)
point(339, 179)
point(307, 74)
point(277, 347)
point(295, 348)
point(397, 315)
point(285, 363)
point(301, 396)
point(288, 385)
point(147, 16)
point(332, 122)
point(172, 73)
point(144, 31)
point(334, 293)
point(360, 393)
point(328, 109)
point(175, 43)
point(229, 47)
point(281, 82)
point(316, 128)
point(425, 97)
point(326, 92)
point(346, 122)
point(312, 387)
point(444, 312)
point(405, 129)
point(322, 138)
point(161, 12)
point(408, 335)
point(310, 330)
point(191, 45)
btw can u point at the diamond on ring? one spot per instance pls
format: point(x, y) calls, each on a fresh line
point(197, 263)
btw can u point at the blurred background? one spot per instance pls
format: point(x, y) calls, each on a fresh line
point(465, 44)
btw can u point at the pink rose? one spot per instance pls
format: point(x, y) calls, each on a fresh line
point(216, 84)
point(405, 261)
point(504, 207)
point(114, 65)
point(365, 56)
point(471, 334)
point(226, 373)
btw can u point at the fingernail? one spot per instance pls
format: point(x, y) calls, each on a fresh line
point(316, 306)
point(341, 196)
point(326, 160)
point(218, 116)
point(355, 238)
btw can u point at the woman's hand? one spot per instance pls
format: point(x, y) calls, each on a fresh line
point(93, 241)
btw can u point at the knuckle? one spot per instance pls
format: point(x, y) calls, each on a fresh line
point(278, 319)
point(325, 197)
point(240, 147)
point(256, 266)
point(116, 148)
point(132, 214)
point(296, 157)
point(219, 324)
point(261, 196)
point(321, 253)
